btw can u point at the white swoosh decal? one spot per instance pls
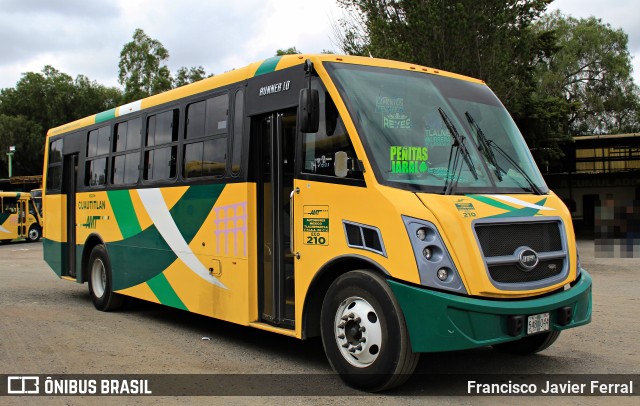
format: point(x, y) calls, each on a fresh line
point(520, 202)
point(4, 230)
point(157, 209)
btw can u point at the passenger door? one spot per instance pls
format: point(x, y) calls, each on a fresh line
point(273, 140)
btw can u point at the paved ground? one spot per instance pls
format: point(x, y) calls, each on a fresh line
point(49, 326)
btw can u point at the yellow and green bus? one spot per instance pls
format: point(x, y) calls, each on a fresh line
point(390, 208)
point(19, 217)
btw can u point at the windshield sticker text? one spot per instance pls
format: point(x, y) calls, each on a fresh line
point(409, 159)
point(437, 137)
point(389, 105)
point(397, 121)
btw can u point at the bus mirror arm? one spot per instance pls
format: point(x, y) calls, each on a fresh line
point(309, 110)
point(291, 222)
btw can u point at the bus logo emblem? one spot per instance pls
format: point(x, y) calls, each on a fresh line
point(527, 258)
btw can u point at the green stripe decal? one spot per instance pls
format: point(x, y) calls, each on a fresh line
point(161, 287)
point(105, 115)
point(511, 211)
point(492, 202)
point(523, 212)
point(191, 211)
point(4, 217)
point(125, 213)
point(268, 66)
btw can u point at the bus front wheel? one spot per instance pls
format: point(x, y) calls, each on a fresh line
point(364, 333)
point(101, 281)
point(34, 233)
point(529, 345)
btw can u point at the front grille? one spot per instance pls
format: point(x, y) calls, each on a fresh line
point(503, 239)
point(501, 243)
point(512, 273)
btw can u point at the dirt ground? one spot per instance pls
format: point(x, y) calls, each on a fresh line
point(49, 326)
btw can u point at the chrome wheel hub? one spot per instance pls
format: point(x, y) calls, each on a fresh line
point(358, 332)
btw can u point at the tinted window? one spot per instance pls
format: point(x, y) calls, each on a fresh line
point(125, 168)
point(96, 172)
point(98, 143)
point(160, 163)
point(128, 135)
point(162, 128)
point(206, 158)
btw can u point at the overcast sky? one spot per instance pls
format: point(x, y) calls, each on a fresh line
point(86, 36)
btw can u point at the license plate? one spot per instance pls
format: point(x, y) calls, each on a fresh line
point(538, 323)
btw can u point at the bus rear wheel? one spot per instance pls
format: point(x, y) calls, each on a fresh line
point(529, 345)
point(34, 233)
point(364, 333)
point(101, 281)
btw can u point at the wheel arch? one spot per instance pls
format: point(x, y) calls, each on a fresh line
point(92, 241)
point(320, 283)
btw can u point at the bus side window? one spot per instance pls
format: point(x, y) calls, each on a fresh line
point(97, 156)
point(161, 146)
point(329, 152)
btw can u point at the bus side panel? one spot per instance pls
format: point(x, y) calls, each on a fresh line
point(55, 234)
point(184, 247)
point(8, 226)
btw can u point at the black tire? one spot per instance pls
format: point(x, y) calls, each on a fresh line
point(34, 234)
point(100, 281)
point(383, 360)
point(529, 345)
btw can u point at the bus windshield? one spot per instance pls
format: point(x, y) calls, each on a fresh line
point(436, 134)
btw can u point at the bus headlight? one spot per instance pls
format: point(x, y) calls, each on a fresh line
point(435, 265)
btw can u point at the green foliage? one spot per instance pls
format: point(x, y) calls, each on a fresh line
point(288, 51)
point(41, 101)
point(27, 137)
point(591, 71)
point(185, 75)
point(142, 71)
point(556, 75)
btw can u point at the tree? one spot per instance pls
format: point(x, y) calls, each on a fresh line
point(28, 138)
point(142, 71)
point(288, 51)
point(185, 76)
point(41, 101)
point(591, 71)
point(491, 40)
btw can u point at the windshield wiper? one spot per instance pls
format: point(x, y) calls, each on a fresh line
point(484, 145)
point(460, 148)
point(488, 146)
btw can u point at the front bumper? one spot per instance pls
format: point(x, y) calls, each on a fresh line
point(439, 321)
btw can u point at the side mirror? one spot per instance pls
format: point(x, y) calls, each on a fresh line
point(309, 113)
point(340, 163)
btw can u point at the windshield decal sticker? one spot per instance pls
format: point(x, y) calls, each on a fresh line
point(393, 113)
point(389, 105)
point(437, 137)
point(409, 159)
point(397, 121)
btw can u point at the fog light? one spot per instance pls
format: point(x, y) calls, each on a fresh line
point(443, 274)
point(421, 234)
point(427, 252)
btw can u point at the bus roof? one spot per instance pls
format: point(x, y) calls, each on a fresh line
point(237, 75)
